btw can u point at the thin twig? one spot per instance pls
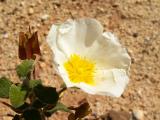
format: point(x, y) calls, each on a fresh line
point(8, 105)
point(9, 69)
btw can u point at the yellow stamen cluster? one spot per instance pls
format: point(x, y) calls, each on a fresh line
point(80, 69)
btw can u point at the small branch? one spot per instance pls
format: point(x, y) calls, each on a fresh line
point(9, 69)
point(8, 105)
point(9, 115)
point(62, 90)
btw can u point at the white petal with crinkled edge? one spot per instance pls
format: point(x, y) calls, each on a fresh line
point(59, 56)
point(111, 82)
point(74, 36)
point(108, 53)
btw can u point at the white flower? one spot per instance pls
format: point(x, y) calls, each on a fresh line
point(88, 58)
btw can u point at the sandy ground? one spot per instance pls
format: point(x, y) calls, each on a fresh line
point(135, 22)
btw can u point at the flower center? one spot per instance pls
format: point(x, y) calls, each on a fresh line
point(80, 69)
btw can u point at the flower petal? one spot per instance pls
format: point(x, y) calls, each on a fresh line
point(111, 82)
point(76, 35)
point(59, 56)
point(108, 53)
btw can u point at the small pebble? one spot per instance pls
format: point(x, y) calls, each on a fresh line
point(30, 11)
point(115, 5)
point(22, 3)
point(146, 40)
point(135, 34)
point(44, 17)
point(138, 114)
point(32, 4)
point(39, 2)
point(101, 9)
point(5, 35)
point(42, 65)
point(117, 115)
point(38, 24)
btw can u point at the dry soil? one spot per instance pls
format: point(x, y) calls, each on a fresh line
point(135, 22)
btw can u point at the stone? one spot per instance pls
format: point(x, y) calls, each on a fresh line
point(22, 3)
point(5, 35)
point(39, 1)
point(138, 114)
point(135, 34)
point(30, 11)
point(117, 115)
point(43, 65)
point(44, 17)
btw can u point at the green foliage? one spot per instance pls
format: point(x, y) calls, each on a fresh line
point(46, 95)
point(17, 96)
point(24, 68)
point(38, 104)
point(59, 107)
point(34, 83)
point(30, 99)
point(31, 114)
point(42, 101)
point(4, 87)
point(21, 108)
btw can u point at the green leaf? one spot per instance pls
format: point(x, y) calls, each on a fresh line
point(46, 95)
point(34, 83)
point(4, 87)
point(21, 108)
point(17, 95)
point(31, 114)
point(38, 104)
point(59, 107)
point(24, 68)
